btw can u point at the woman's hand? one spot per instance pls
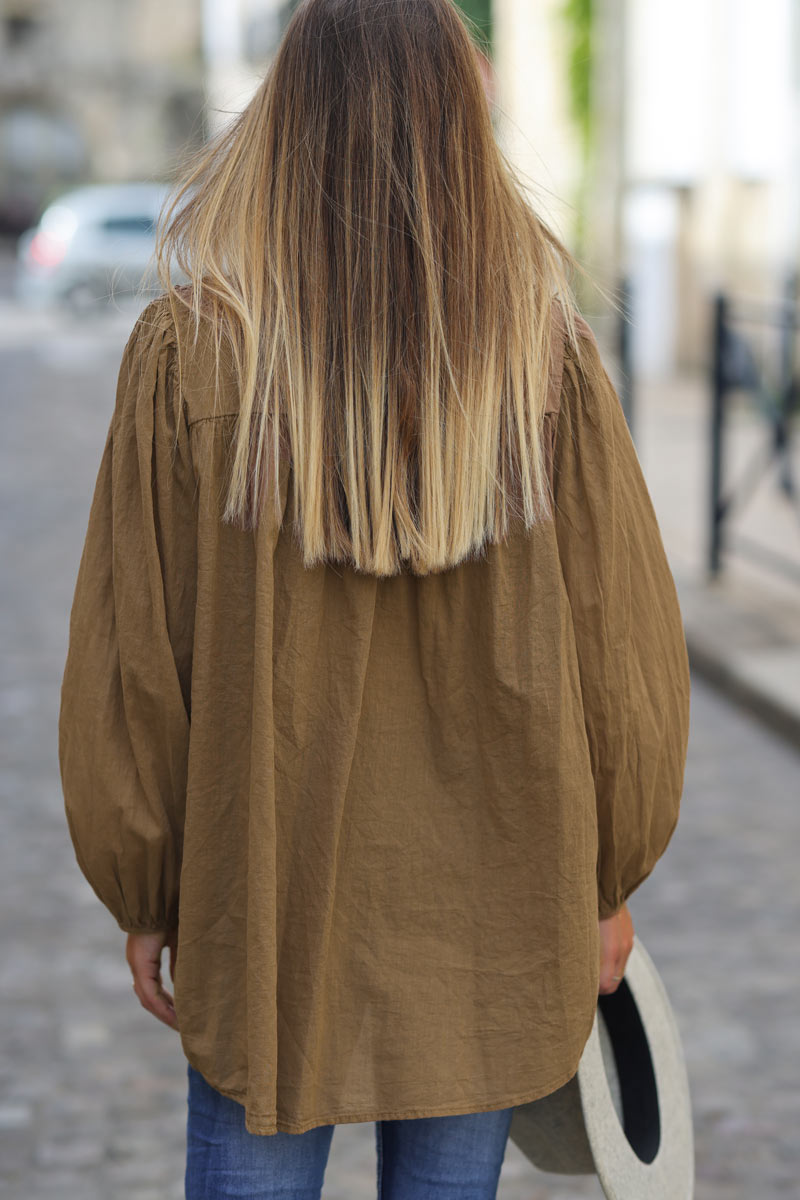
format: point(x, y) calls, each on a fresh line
point(143, 952)
point(616, 943)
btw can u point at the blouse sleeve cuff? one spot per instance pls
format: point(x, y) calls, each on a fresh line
point(148, 927)
point(609, 904)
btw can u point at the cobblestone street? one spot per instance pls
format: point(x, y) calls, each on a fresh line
point(93, 1089)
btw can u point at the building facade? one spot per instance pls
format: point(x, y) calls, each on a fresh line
point(94, 91)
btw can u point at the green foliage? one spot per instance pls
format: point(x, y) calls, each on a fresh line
point(478, 11)
point(577, 18)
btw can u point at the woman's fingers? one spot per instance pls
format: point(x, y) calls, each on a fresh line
point(143, 953)
point(616, 943)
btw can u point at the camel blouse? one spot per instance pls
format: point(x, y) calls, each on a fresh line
point(384, 814)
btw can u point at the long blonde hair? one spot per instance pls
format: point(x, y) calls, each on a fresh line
point(360, 241)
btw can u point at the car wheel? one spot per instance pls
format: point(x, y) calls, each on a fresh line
point(83, 300)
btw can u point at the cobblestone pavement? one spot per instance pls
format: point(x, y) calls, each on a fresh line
point(93, 1089)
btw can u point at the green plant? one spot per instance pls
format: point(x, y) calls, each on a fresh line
point(577, 18)
point(478, 11)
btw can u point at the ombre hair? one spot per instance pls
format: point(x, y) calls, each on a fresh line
point(365, 249)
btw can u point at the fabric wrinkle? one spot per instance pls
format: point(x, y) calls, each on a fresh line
point(383, 814)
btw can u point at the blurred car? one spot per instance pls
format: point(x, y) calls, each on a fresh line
point(90, 245)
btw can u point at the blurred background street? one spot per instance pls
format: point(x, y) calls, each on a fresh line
point(685, 202)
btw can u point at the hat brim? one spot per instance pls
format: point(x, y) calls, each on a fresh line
point(626, 1114)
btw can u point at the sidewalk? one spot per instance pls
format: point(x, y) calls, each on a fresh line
point(742, 629)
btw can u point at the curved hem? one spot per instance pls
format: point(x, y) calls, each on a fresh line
point(264, 1124)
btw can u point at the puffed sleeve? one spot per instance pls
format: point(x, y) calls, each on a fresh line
point(627, 625)
point(123, 731)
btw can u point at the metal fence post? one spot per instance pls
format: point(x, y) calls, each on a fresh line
point(788, 386)
point(624, 352)
point(720, 312)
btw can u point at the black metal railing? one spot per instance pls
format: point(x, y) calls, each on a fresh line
point(625, 351)
point(772, 389)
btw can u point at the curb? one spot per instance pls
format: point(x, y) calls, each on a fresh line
point(715, 670)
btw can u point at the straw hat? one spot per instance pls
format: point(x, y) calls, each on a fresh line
point(626, 1114)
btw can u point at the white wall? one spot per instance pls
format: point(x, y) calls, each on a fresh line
point(711, 102)
point(534, 128)
point(233, 71)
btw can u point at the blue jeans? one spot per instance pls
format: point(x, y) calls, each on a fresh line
point(422, 1158)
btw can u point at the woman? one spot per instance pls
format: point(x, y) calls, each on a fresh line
point(376, 700)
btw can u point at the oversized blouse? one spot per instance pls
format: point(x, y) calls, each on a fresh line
point(384, 814)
